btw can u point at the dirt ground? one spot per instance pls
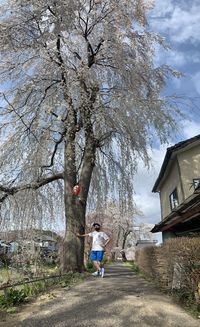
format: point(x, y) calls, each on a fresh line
point(120, 299)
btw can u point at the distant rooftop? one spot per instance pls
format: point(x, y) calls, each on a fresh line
point(146, 242)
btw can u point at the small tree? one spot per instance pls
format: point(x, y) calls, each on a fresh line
point(81, 97)
point(123, 224)
point(118, 222)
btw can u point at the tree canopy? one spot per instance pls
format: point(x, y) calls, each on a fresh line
point(81, 98)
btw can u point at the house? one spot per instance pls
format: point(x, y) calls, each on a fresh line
point(4, 247)
point(15, 240)
point(47, 242)
point(178, 184)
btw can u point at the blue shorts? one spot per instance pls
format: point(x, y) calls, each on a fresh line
point(96, 255)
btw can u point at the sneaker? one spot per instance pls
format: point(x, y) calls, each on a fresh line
point(102, 272)
point(95, 274)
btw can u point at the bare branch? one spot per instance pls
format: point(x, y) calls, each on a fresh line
point(54, 152)
point(34, 185)
point(21, 118)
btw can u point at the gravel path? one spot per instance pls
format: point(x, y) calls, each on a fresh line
point(120, 299)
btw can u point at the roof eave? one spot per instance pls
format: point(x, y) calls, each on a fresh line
point(173, 149)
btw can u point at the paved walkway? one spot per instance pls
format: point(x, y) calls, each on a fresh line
point(120, 299)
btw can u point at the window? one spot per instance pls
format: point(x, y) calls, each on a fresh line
point(196, 183)
point(173, 198)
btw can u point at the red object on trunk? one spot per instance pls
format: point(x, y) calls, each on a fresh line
point(76, 189)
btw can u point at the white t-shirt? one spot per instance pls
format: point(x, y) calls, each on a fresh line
point(98, 240)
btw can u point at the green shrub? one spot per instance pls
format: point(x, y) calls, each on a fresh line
point(28, 290)
point(104, 260)
point(182, 296)
point(5, 259)
point(12, 297)
point(89, 266)
point(135, 268)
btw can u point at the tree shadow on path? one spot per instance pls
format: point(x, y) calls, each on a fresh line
point(121, 299)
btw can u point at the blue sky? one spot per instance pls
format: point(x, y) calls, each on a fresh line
point(179, 22)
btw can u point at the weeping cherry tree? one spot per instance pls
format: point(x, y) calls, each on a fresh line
point(80, 102)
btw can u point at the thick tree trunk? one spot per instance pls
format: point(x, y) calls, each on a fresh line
point(73, 246)
point(75, 207)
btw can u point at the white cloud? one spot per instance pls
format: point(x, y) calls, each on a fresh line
point(145, 200)
point(196, 80)
point(162, 8)
point(191, 128)
point(144, 180)
point(194, 57)
point(175, 57)
point(171, 57)
point(182, 23)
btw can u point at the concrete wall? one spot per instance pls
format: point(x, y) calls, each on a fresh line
point(167, 235)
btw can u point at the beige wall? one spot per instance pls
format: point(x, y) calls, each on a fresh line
point(189, 162)
point(171, 182)
point(185, 167)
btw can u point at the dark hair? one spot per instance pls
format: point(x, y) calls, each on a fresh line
point(96, 224)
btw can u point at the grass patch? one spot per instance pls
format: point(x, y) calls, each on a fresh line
point(9, 275)
point(133, 266)
point(14, 296)
point(13, 275)
point(186, 300)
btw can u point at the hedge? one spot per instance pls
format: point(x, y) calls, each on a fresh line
point(175, 264)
